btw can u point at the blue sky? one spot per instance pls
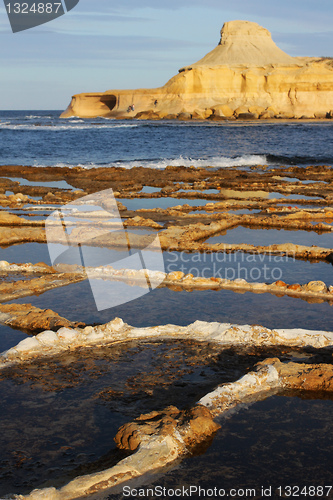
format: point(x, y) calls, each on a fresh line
point(103, 45)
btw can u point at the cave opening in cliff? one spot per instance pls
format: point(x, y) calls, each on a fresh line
point(109, 100)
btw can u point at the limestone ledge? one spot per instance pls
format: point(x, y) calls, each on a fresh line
point(101, 218)
point(36, 286)
point(29, 318)
point(177, 280)
point(286, 249)
point(197, 232)
point(49, 343)
point(270, 374)
point(172, 239)
point(191, 237)
point(181, 281)
point(245, 77)
point(226, 396)
point(64, 274)
point(230, 184)
point(40, 267)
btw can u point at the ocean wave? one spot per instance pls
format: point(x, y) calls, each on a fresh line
point(61, 165)
point(76, 120)
point(299, 160)
point(162, 163)
point(183, 161)
point(73, 125)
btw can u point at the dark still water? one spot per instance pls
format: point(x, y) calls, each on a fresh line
point(276, 448)
point(41, 138)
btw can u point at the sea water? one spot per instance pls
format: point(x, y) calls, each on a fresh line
point(41, 138)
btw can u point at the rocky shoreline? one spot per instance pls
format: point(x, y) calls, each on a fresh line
point(246, 77)
point(259, 195)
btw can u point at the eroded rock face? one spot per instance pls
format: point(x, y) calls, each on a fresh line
point(193, 425)
point(307, 377)
point(259, 81)
point(29, 318)
point(245, 43)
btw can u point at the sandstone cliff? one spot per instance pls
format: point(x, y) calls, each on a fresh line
point(246, 76)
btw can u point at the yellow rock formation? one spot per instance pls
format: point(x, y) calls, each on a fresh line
point(246, 76)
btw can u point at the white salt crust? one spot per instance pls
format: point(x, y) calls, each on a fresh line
point(49, 343)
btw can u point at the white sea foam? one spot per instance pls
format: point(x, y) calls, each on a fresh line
point(180, 161)
point(72, 125)
point(77, 120)
point(214, 161)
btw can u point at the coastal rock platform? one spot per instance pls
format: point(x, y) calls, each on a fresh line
point(282, 212)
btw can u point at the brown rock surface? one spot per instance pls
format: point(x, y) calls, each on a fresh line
point(15, 235)
point(175, 276)
point(24, 288)
point(194, 426)
point(280, 283)
point(29, 318)
point(295, 287)
point(307, 377)
point(316, 286)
